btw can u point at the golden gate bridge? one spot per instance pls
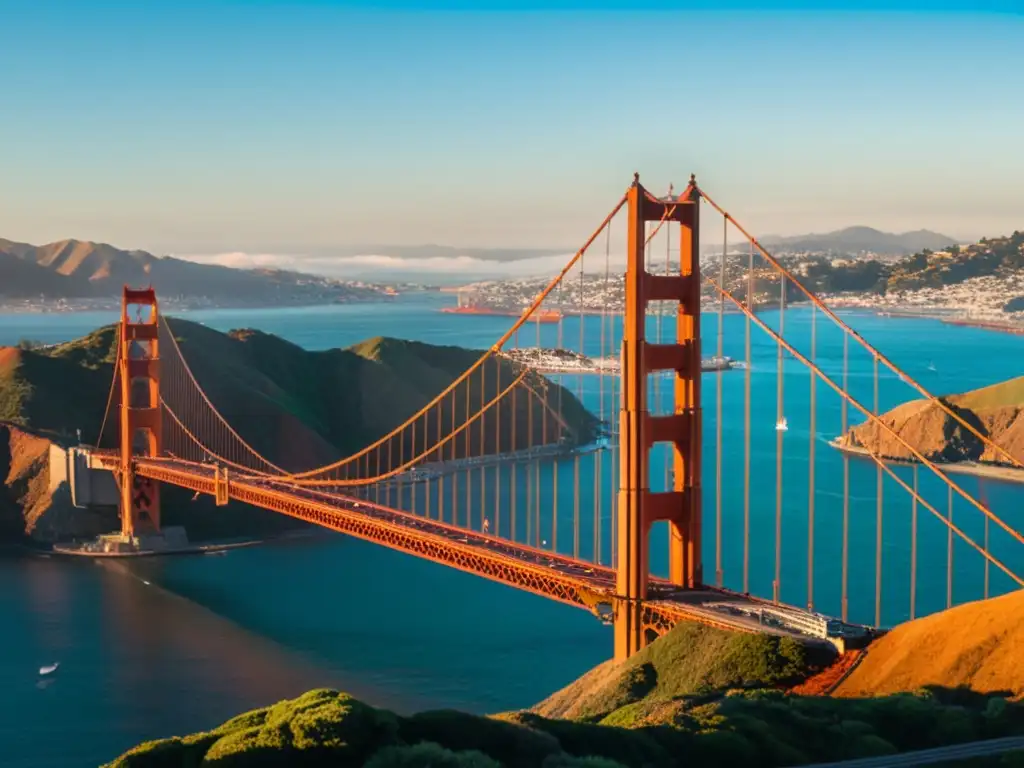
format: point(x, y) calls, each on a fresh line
point(486, 477)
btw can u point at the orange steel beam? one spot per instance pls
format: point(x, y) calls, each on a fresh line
point(637, 507)
point(503, 564)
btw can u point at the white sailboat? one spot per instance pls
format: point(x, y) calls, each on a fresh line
point(781, 425)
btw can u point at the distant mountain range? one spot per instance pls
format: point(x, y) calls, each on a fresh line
point(74, 269)
point(856, 240)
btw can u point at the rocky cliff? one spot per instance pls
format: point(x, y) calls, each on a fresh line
point(996, 411)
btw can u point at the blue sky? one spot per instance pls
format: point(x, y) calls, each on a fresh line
point(265, 127)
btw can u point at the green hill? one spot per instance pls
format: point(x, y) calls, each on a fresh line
point(300, 409)
point(691, 659)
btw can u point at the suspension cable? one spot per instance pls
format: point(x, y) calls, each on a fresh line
point(864, 342)
point(1016, 535)
point(113, 387)
point(538, 300)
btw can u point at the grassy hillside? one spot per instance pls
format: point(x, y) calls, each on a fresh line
point(979, 645)
point(996, 411)
point(691, 659)
point(300, 409)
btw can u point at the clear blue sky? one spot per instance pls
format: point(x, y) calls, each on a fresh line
point(269, 127)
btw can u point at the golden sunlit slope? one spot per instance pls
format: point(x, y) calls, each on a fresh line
point(996, 411)
point(979, 645)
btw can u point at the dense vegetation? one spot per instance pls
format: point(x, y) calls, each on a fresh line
point(691, 660)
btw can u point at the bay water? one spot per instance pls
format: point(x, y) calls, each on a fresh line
point(167, 646)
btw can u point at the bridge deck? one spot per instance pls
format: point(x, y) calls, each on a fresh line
point(542, 572)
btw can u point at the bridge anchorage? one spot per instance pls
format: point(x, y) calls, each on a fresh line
point(542, 483)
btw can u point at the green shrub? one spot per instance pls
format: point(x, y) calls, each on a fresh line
point(428, 755)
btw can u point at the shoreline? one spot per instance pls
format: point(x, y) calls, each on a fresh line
point(64, 550)
point(973, 468)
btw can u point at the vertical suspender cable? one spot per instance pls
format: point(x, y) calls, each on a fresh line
point(913, 549)
point(469, 454)
point(412, 485)
point(987, 563)
point(949, 553)
point(879, 501)
point(810, 470)
point(718, 410)
point(440, 475)
point(455, 474)
point(513, 529)
point(529, 465)
point(543, 441)
point(777, 586)
point(576, 456)
point(483, 447)
point(554, 466)
point(746, 428)
point(846, 482)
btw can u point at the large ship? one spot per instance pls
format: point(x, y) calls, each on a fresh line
point(470, 307)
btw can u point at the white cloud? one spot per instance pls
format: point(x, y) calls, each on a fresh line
point(386, 266)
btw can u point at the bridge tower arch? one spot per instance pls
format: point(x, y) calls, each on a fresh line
point(638, 507)
point(138, 367)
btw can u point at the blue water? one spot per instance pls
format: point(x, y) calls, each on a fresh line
point(210, 636)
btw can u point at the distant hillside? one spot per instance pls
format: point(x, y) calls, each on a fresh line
point(996, 411)
point(1000, 257)
point(855, 240)
point(300, 409)
point(73, 269)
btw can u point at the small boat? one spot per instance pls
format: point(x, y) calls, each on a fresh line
point(781, 425)
point(931, 366)
point(49, 670)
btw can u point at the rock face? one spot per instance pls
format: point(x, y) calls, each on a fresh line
point(996, 411)
point(27, 507)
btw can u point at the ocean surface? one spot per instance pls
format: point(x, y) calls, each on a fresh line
point(167, 646)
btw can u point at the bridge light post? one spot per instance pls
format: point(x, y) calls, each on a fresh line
point(637, 506)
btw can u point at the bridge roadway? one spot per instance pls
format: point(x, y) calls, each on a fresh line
point(542, 572)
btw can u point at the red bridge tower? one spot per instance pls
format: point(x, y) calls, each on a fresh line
point(138, 365)
point(639, 430)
